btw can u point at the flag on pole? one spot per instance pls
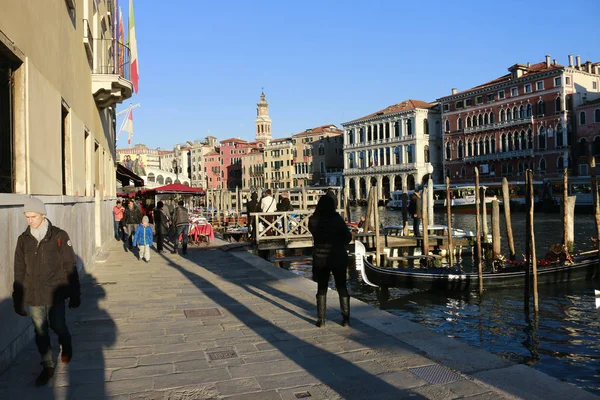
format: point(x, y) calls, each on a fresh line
point(121, 42)
point(128, 125)
point(133, 59)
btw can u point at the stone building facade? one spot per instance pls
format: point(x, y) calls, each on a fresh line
point(303, 152)
point(279, 164)
point(60, 83)
point(392, 149)
point(253, 170)
point(522, 120)
point(328, 160)
point(588, 133)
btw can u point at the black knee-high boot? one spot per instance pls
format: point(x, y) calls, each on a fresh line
point(345, 307)
point(321, 308)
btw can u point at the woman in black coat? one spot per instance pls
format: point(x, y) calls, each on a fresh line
point(330, 236)
point(161, 225)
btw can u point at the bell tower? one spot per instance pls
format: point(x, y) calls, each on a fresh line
point(262, 121)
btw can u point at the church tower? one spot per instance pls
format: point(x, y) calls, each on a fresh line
point(262, 121)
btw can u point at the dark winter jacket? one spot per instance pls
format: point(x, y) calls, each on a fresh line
point(285, 205)
point(181, 216)
point(45, 274)
point(132, 216)
point(161, 222)
point(414, 207)
point(330, 236)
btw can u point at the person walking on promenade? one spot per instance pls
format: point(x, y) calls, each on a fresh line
point(414, 209)
point(132, 218)
point(181, 220)
point(161, 225)
point(330, 236)
point(143, 239)
point(46, 275)
point(118, 212)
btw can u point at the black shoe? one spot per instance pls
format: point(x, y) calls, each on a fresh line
point(321, 309)
point(126, 249)
point(345, 308)
point(174, 252)
point(45, 376)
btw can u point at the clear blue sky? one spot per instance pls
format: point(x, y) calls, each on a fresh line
point(203, 63)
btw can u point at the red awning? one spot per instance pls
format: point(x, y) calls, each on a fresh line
point(178, 188)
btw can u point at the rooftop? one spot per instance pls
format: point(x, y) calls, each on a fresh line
point(396, 108)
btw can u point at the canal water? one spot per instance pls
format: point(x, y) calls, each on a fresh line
point(564, 342)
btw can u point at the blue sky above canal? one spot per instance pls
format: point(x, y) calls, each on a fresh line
point(202, 64)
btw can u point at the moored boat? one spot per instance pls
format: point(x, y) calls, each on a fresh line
point(583, 267)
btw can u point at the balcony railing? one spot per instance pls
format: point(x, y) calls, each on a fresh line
point(498, 125)
point(500, 156)
point(392, 140)
point(110, 72)
point(381, 169)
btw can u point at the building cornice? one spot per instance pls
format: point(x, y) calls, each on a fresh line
point(392, 117)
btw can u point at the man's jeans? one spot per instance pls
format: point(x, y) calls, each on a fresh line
point(53, 317)
point(182, 229)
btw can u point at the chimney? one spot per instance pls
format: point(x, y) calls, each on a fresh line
point(578, 62)
point(571, 60)
point(453, 90)
point(547, 61)
point(554, 62)
point(588, 67)
point(528, 64)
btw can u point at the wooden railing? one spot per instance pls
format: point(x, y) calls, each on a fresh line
point(281, 225)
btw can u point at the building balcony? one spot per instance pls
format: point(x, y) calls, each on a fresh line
point(499, 125)
point(379, 142)
point(301, 176)
point(110, 73)
point(381, 169)
point(500, 156)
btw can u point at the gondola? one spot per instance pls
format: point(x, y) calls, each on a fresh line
point(583, 267)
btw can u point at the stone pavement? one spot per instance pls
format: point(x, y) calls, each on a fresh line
point(229, 325)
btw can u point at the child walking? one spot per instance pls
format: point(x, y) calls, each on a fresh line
point(143, 239)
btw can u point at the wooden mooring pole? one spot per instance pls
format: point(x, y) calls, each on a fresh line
point(449, 222)
point(368, 224)
point(531, 237)
point(593, 173)
point(509, 232)
point(496, 248)
point(478, 254)
point(484, 223)
point(567, 205)
point(377, 238)
point(425, 220)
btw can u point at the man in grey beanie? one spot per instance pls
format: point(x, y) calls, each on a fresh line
point(45, 276)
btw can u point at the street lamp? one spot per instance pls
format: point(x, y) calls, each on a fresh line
point(176, 168)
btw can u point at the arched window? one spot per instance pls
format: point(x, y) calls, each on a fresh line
point(448, 151)
point(542, 166)
point(559, 135)
point(493, 145)
point(541, 107)
point(521, 112)
point(503, 142)
point(447, 125)
point(469, 122)
point(409, 154)
point(485, 119)
point(510, 142)
point(515, 113)
point(481, 149)
point(582, 118)
point(492, 118)
point(502, 115)
point(560, 163)
point(596, 146)
point(168, 181)
point(460, 154)
point(529, 139)
point(151, 177)
point(459, 124)
point(542, 138)
point(409, 127)
point(469, 148)
point(487, 145)
point(529, 112)
point(426, 153)
point(583, 147)
point(160, 179)
point(480, 120)
point(597, 115)
point(558, 104)
point(426, 126)
point(508, 114)
point(523, 140)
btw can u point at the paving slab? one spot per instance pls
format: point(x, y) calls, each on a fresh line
point(229, 325)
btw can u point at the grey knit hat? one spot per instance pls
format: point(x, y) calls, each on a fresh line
point(33, 204)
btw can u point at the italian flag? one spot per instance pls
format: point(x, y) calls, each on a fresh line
point(128, 125)
point(135, 73)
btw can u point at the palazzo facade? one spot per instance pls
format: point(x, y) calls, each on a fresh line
point(392, 149)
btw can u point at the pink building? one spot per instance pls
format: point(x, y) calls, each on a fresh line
point(232, 151)
point(212, 170)
point(588, 133)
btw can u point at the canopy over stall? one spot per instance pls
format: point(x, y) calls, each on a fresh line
point(124, 175)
